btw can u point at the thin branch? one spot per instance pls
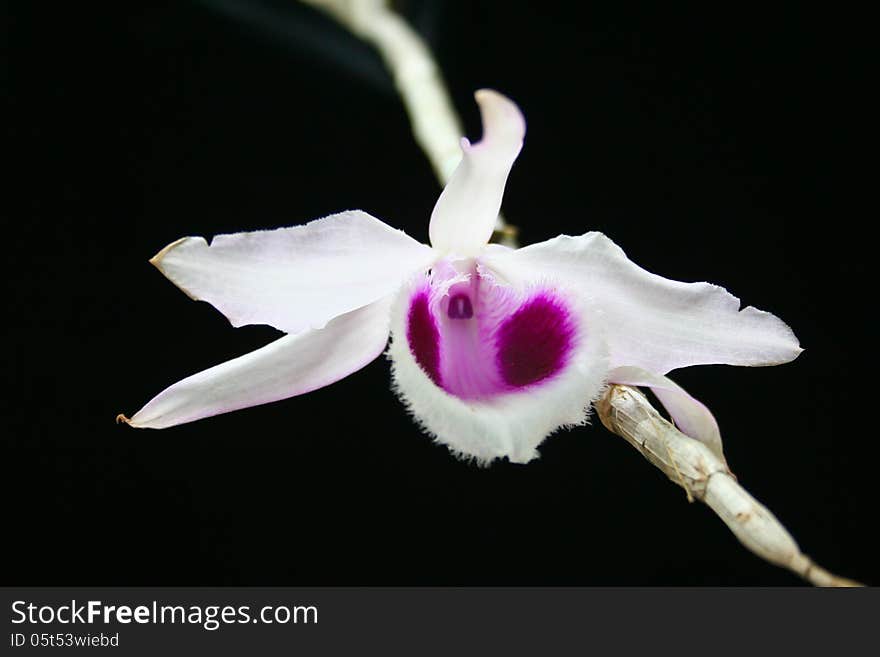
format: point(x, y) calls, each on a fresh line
point(689, 463)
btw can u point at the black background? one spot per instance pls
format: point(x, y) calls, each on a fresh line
point(711, 146)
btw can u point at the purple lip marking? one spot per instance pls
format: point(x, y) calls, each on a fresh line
point(512, 340)
point(535, 342)
point(460, 307)
point(423, 336)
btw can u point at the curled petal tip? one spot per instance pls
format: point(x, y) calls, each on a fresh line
point(156, 260)
point(466, 212)
point(501, 117)
point(121, 419)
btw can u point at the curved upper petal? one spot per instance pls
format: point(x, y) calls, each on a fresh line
point(690, 415)
point(289, 366)
point(295, 278)
point(650, 321)
point(465, 214)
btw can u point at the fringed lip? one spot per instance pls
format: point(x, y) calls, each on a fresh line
point(490, 369)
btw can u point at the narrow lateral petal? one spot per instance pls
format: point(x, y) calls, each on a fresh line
point(295, 278)
point(289, 366)
point(650, 321)
point(691, 416)
point(465, 213)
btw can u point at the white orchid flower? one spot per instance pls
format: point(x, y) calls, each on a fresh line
point(492, 349)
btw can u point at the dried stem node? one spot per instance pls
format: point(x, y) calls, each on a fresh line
point(689, 463)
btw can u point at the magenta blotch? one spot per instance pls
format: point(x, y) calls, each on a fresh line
point(477, 340)
point(423, 336)
point(535, 342)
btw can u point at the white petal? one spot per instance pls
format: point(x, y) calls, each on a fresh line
point(689, 414)
point(290, 366)
point(299, 277)
point(510, 425)
point(652, 322)
point(465, 213)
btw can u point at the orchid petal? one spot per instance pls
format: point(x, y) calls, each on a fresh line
point(295, 278)
point(289, 366)
point(691, 416)
point(650, 321)
point(465, 214)
point(483, 388)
